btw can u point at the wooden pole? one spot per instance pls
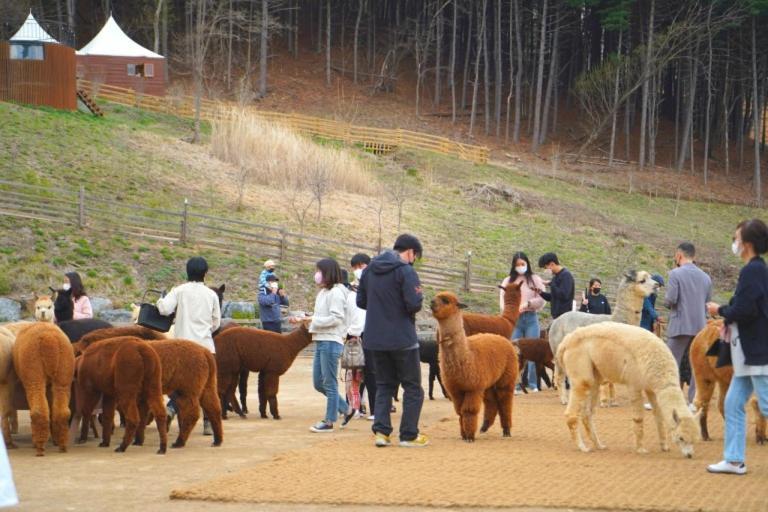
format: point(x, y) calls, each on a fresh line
point(184, 223)
point(468, 273)
point(81, 207)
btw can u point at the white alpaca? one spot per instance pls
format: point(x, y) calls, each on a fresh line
point(7, 385)
point(634, 288)
point(44, 308)
point(625, 354)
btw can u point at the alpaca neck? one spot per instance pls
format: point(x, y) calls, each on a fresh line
point(629, 306)
point(297, 340)
point(511, 307)
point(453, 341)
point(671, 399)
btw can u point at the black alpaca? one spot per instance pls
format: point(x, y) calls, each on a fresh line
point(428, 352)
point(64, 308)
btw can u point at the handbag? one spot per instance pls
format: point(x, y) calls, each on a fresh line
point(150, 317)
point(352, 356)
point(722, 348)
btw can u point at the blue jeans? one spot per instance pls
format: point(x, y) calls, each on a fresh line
point(325, 369)
point(735, 443)
point(528, 327)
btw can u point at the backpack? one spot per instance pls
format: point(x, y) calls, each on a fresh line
point(352, 357)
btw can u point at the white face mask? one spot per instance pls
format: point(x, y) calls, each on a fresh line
point(358, 272)
point(274, 286)
point(736, 248)
point(65, 287)
point(521, 269)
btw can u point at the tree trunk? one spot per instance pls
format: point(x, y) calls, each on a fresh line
point(726, 149)
point(438, 56)
point(511, 51)
point(486, 81)
point(71, 7)
point(328, 43)
point(360, 10)
point(519, 77)
point(319, 48)
point(757, 118)
point(229, 45)
point(156, 26)
point(164, 30)
point(465, 71)
point(709, 95)
point(550, 82)
point(539, 79)
point(687, 134)
point(615, 102)
point(453, 60)
point(480, 36)
point(646, 85)
point(499, 81)
point(263, 48)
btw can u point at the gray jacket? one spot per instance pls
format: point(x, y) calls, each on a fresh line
point(688, 290)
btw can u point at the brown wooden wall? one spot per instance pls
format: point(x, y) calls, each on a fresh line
point(49, 82)
point(101, 69)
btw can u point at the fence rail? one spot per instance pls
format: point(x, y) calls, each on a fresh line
point(184, 106)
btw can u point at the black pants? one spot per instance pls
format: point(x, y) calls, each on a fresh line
point(272, 326)
point(369, 380)
point(393, 368)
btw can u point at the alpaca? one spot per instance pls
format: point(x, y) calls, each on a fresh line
point(135, 331)
point(707, 376)
point(255, 350)
point(7, 384)
point(538, 351)
point(44, 308)
point(63, 307)
point(43, 360)
point(125, 373)
point(503, 324)
point(188, 370)
point(428, 353)
point(634, 287)
point(631, 355)
point(482, 368)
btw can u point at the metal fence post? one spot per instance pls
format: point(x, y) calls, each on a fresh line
point(468, 273)
point(184, 223)
point(81, 207)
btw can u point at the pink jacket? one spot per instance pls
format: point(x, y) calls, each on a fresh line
point(82, 308)
point(530, 300)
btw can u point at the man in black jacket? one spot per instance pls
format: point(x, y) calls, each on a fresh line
point(561, 287)
point(390, 292)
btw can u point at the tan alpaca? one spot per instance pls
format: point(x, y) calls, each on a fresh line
point(7, 384)
point(630, 355)
point(479, 369)
point(44, 308)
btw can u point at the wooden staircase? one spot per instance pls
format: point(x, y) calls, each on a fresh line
point(89, 102)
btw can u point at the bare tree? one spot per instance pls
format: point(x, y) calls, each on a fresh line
point(264, 48)
point(360, 9)
point(328, 44)
point(646, 86)
point(453, 60)
point(400, 191)
point(156, 26)
point(319, 183)
point(480, 38)
point(756, 113)
point(539, 79)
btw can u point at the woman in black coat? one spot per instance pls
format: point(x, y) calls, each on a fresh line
point(592, 301)
point(746, 316)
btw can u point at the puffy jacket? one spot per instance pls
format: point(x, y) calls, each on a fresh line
point(269, 306)
point(390, 292)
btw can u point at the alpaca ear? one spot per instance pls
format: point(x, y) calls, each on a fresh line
point(222, 288)
point(462, 306)
point(631, 275)
point(675, 417)
point(53, 290)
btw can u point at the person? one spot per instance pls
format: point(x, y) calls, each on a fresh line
point(269, 269)
point(746, 315)
point(353, 377)
point(270, 300)
point(531, 303)
point(561, 285)
point(198, 314)
point(359, 263)
point(391, 294)
point(649, 318)
point(689, 289)
point(82, 304)
point(329, 329)
point(593, 301)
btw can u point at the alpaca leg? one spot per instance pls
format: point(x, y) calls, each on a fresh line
point(14, 420)
point(189, 413)
point(604, 395)
point(440, 381)
point(212, 409)
point(432, 377)
point(231, 397)
point(490, 409)
point(128, 404)
point(469, 412)
point(243, 388)
point(588, 419)
point(577, 396)
point(504, 398)
point(86, 402)
point(6, 412)
point(611, 394)
point(701, 401)
point(760, 422)
point(157, 408)
point(38, 413)
point(138, 438)
point(60, 415)
point(541, 375)
point(271, 387)
point(722, 390)
point(221, 393)
point(93, 426)
point(457, 400)
point(560, 380)
point(108, 420)
point(661, 427)
point(262, 396)
point(636, 400)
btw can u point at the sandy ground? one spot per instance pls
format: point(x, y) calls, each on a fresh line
point(92, 478)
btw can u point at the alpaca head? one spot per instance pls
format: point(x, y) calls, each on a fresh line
point(641, 283)
point(44, 308)
point(512, 294)
point(219, 291)
point(63, 307)
point(446, 305)
point(135, 308)
point(685, 431)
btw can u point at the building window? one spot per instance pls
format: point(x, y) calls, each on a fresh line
point(149, 70)
point(141, 70)
point(27, 51)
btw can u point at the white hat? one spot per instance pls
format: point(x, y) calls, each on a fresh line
point(269, 264)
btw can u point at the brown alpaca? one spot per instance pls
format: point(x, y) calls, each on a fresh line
point(477, 369)
point(188, 371)
point(707, 376)
point(269, 353)
point(538, 351)
point(503, 324)
point(44, 360)
point(126, 373)
point(7, 384)
point(135, 331)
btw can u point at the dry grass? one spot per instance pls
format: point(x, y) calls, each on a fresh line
point(268, 153)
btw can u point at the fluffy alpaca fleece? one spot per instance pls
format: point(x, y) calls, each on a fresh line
point(43, 360)
point(479, 369)
point(76, 329)
point(135, 331)
point(634, 287)
point(7, 384)
point(707, 376)
point(503, 324)
point(429, 353)
point(255, 350)
point(125, 373)
point(625, 354)
point(44, 308)
point(538, 351)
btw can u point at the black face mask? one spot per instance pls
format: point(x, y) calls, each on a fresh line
point(596, 291)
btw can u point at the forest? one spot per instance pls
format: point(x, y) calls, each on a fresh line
point(617, 78)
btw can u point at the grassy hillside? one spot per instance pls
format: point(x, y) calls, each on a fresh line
point(143, 158)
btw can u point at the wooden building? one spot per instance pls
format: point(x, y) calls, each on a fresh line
point(114, 58)
point(35, 69)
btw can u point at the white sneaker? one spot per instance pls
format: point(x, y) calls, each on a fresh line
point(534, 390)
point(648, 407)
point(370, 418)
point(692, 408)
point(518, 392)
point(726, 467)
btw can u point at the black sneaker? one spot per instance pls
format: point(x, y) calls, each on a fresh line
point(347, 418)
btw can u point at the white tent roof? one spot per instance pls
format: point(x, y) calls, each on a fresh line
point(32, 31)
point(112, 41)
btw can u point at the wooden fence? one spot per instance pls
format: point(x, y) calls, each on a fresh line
point(378, 138)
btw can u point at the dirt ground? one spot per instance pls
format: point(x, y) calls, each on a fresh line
point(257, 451)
